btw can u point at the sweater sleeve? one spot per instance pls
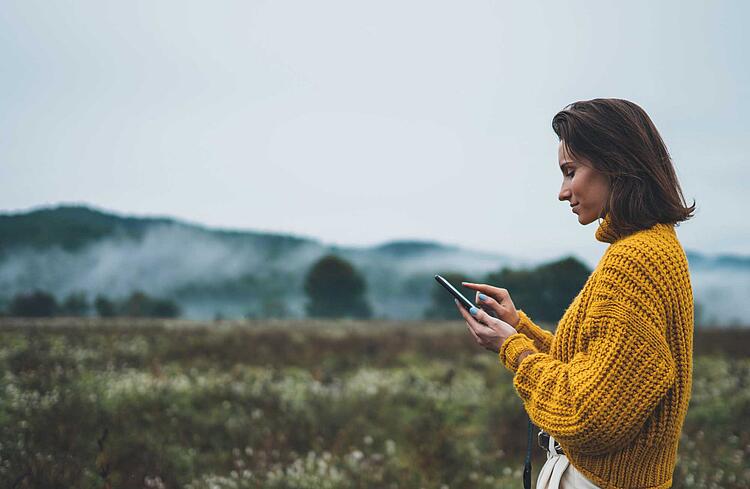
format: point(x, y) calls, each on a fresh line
point(541, 337)
point(598, 401)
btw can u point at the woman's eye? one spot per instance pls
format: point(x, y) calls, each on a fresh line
point(570, 174)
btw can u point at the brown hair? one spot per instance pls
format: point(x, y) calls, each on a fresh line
point(618, 138)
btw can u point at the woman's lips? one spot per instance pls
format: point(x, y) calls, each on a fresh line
point(574, 208)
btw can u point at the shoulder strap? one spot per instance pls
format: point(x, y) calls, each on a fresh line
point(527, 463)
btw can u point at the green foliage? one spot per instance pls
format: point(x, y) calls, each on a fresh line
point(43, 304)
point(543, 292)
point(240, 288)
point(294, 404)
point(37, 303)
point(72, 227)
point(75, 304)
point(335, 289)
point(139, 304)
point(441, 301)
point(163, 308)
point(68, 227)
point(136, 305)
point(105, 308)
point(546, 291)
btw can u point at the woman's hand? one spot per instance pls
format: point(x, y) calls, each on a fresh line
point(489, 332)
point(496, 299)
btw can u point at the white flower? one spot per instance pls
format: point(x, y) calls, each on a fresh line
point(390, 447)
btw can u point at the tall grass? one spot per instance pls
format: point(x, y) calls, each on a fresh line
point(302, 404)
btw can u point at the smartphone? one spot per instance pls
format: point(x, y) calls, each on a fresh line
point(466, 303)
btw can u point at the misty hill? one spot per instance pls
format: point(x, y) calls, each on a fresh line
point(727, 262)
point(73, 227)
point(207, 271)
point(236, 273)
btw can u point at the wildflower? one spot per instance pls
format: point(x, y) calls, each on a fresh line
point(390, 447)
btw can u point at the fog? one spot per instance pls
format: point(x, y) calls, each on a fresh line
point(210, 273)
point(722, 294)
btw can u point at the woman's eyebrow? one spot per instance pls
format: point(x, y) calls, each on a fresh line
point(564, 164)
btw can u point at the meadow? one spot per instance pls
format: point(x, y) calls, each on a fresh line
point(123, 403)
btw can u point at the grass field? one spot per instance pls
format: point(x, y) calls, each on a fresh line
point(87, 403)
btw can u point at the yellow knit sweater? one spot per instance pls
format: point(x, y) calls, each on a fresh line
point(612, 384)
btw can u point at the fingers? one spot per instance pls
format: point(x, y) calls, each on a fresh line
point(487, 289)
point(463, 311)
point(474, 326)
point(497, 293)
point(478, 321)
point(480, 287)
point(482, 318)
point(489, 304)
point(487, 301)
point(476, 338)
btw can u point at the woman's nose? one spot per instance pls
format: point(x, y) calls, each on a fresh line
point(564, 193)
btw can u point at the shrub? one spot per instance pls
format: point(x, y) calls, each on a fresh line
point(33, 304)
point(336, 289)
point(546, 291)
point(104, 307)
point(75, 305)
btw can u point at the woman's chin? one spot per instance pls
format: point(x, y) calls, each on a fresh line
point(584, 220)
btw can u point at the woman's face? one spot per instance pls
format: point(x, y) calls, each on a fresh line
point(585, 188)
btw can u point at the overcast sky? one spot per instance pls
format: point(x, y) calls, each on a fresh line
point(360, 122)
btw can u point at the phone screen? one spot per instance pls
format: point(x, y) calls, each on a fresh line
point(466, 303)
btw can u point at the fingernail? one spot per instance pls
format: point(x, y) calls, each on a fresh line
point(456, 301)
point(482, 297)
point(473, 311)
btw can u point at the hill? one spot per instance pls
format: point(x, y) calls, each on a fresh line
point(207, 271)
point(236, 273)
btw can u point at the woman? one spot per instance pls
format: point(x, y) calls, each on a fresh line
point(610, 388)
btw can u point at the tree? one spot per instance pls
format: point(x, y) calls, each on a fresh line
point(164, 308)
point(33, 304)
point(546, 291)
point(335, 288)
point(441, 302)
point(136, 305)
point(105, 308)
point(139, 304)
point(75, 304)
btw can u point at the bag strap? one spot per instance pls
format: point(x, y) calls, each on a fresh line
point(527, 462)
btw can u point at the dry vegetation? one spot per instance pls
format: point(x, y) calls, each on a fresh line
point(302, 404)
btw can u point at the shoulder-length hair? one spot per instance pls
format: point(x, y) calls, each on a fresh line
point(618, 138)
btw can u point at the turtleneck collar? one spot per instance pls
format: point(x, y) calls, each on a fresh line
point(605, 233)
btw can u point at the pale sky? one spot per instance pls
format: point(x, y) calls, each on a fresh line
point(361, 122)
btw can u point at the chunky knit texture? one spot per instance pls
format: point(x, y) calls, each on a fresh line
point(612, 384)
